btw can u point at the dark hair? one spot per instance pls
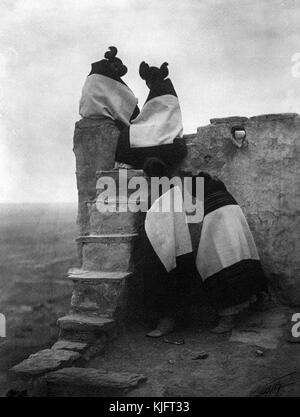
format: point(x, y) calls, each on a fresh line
point(155, 167)
point(204, 174)
point(153, 74)
point(111, 66)
point(211, 184)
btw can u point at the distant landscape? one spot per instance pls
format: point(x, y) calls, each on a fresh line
point(36, 249)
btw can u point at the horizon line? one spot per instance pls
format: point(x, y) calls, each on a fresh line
point(38, 202)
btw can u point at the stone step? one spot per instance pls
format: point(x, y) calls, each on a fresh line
point(85, 323)
point(87, 327)
point(80, 275)
point(114, 217)
point(101, 293)
point(79, 347)
point(109, 252)
point(122, 174)
point(90, 382)
point(107, 238)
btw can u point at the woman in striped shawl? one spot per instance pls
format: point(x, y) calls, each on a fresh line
point(225, 257)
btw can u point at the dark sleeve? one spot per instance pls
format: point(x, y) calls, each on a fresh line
point(120, 125)
point(123, 151)
point(135, 113)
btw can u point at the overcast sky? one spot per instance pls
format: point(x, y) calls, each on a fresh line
point(226, 57)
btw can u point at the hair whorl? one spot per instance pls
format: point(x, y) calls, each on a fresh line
point(144, 69)
point(111, 54)
point(164, 70)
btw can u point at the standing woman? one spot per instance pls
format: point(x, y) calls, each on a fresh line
point(227, 258)
point(170, 275)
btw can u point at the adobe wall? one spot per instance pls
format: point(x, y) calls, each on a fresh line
point(264, 177)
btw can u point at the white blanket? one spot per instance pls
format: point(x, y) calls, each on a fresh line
point(225, 236)
point(167, 229)
point(159, 122)
point(104, 97)
point(225, 240)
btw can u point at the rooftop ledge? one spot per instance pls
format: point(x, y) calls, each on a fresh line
point(241, 119)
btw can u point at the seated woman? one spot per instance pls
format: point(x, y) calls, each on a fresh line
point(226, 257)
point(105, 94)
point(157, 131)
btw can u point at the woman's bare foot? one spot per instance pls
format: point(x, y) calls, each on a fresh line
point(226, 324)
point(164, 327)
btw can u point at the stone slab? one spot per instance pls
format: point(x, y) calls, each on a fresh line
point(68, 345)
point(80, 322)
point(45, 361)
point(116, 174)
point(90, 382)
point(94, 277)
point(108, 238)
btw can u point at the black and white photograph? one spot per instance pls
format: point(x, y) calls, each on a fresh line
point(149, 201)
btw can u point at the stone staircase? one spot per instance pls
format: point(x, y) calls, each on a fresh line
point(108, 283)
point(106, 288)
point(109, 257)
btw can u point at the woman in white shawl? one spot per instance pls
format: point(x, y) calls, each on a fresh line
point(157, 131)
point(105, 95)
